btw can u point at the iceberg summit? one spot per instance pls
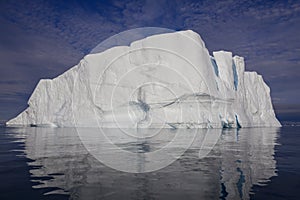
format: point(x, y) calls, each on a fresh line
point(162, 81)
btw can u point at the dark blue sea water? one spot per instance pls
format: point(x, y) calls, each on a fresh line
point(52, 163)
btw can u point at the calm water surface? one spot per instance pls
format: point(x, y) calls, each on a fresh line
point(52, 163)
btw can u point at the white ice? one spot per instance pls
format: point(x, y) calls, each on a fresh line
point(166, 80)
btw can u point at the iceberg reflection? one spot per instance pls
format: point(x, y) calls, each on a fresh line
point(240, 159)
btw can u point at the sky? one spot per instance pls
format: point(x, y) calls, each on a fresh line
point(42, 39)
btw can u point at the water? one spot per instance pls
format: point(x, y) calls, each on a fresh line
point(252, 163)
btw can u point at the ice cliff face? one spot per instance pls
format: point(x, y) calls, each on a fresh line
point(166, 80)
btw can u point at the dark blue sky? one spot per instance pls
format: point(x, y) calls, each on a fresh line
point(41, 39)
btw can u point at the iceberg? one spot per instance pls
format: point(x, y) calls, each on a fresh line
point(162, 81)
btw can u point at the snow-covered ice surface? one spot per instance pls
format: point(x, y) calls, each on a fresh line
point(162, 81)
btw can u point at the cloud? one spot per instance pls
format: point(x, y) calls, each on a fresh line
point(73, 22)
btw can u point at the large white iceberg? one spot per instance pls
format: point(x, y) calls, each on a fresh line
point(165, 80)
